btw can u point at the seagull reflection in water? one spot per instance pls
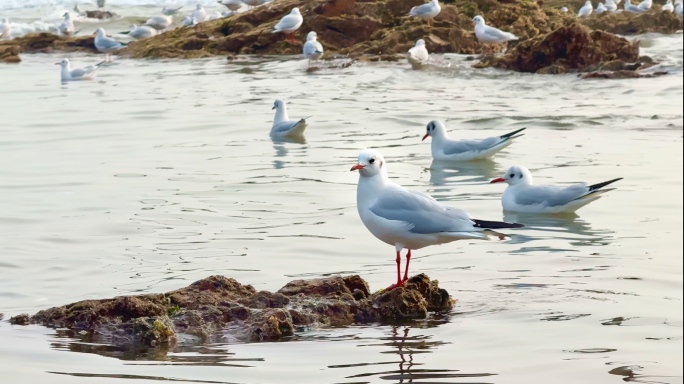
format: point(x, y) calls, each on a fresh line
point(471, 171)
point(279, 144)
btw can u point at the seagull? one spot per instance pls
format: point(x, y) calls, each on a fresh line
point(564, 9)
point(411, 219)
point(629, 7)
point(418, 55)
point(189, 21)
point(141, 32)
point(5, 28)
point(282, 125)
point(426, 11)
point(668, 7)
point(101, 3)
point(170, 11)
point(586, 10)
point(215, 16)
point(160, 23)
point(678, 8)
point(69, 74)
point(490, 35)
point(645, 5)
point(600, 8)
point(232, 5)
point(199, 14)
point(610, 6)
point(289, 23)
point(105, 44)
point(67, 26)
point(522, 196)
point(443, 148)
point(313, 50)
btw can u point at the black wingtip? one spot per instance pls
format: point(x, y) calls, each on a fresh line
point(598, 186)
point(495, 224)
point(510, 135)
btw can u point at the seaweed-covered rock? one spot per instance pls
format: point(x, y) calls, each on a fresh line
point(45, 42)
point(218, 305)
point(626, 23)
point(10, 54)
point(22, 319)
point(566, 49)
point(97, 14)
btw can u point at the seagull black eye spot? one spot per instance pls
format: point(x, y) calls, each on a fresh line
point(512, 175)
point(372, 160)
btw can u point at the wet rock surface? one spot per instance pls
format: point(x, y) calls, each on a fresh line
point(10, 54)
point(97, 14)
point(221, 306)
point(45, 42)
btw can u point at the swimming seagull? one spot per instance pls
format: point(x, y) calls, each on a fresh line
point(141, 32)
point(312, 50)
point(418, 55)
point(586, 9)
point(160, 23)
point(490, 35)
point(444, 148)
point(282, 125)
point(170, 11)
point(289, 23)
point(233, 5)
point(426, 11)
point(5, 28)
point(645, 5)
point(522, 195)
point(629, 7)
point(69, 74)
point(199, 14)
point(668, 7)
point(600, 8)
point(106, 44)
point(409, 219)
point(67, 26)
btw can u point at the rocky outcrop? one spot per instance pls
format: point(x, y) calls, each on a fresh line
point(219, 305)
point(625, 23)
point(10, 54)
point(45, 42)
point(567, 49)
point(97, 14)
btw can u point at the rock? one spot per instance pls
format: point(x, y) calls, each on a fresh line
point(621, 74)
point(45, 42)
point(567, 49)
point(96, 14)
point(10, 54)
point(218, 306)
point(625, 23)
point(22, 319)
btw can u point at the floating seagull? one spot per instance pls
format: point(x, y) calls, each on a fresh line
point(522, 196)
point(564, 9)
point(199, 14)
point(610, 6)
point(106, 44)
point(629, 7)
point(160, 23)
point(418, 55)
point(586, 9)
point(409, 219)
point(600, 8)
point(233, 5)
point(170, 11)
point(69, 74)
point(490, 35)
point(282, 125)
point(668, 7)
point(101, 3)
point(443, 148)
point(5, 28)
point(313, 50)
point(141, 32)
point(67, 26)
point(289, 23)
point(645, 5)
point(426, 11)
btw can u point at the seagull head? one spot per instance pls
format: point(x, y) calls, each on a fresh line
point(63, 63)
point(199, 7)
point(295, 11)
point(100, 32)
point(420, 42)
point(478, 20)
point(278, 104)
point(515, 175)
point(311, 36)
point(370, 163)
point(436, 129)
point(66, 15)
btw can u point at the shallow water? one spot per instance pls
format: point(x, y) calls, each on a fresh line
point(160, 173)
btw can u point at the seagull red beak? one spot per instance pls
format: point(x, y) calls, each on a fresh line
point(497, 180)
point(356, 167)
point(425, 137)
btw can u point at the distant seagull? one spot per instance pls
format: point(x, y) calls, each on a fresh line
point(312, 50)
point(170, 11)
point(283, 126)
point(189, 21)
point(645, 5)
point(586, 10)
point(629, 7)
point(289, 24)
point(233, 5)
point(5, 28)
point(564, 9)
point(160, 23)
point(67, 26)
point(611, 6)
point(141, 32)
point(445, 149)
point(678, 8)
point(523, 196)
point(426, 11)
point(199, 14)
point(101, 3)
point(600, 8)
point(69, 74)
point(418, 55)
point(668, 7)
point(490, 35)
point(106, 44)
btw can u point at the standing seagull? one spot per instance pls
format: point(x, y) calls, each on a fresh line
point(490, 35)
point(199, 14)
point(426, 11)
point(289, 23)
point(105, 44)
point(678, 8)
point(5, 28)
point(170, 11)
point(160, 23)
point(282, 125)
point(141, 32)
point(411, 219)
point(522, 196)
point(600, 8)
point(232, 5)
point(645, 5)
point(67, 26)
point(668, 7)
point(69, 74)
point(586, 9)
point(312, 50)
point(611, 6)
point(443, 148)
point(418, 55)
point(629, 7)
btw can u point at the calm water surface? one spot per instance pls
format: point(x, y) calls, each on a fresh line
point(161, 173)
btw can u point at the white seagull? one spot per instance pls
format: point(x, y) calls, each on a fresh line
point(5, 28)
point(645, 5)
point(629, 7)
point(170, 11)
point(522, 195)
point(678, 8)
point(141, 32)
point(199, 14)
point(160, 23)
point(283, 126)
point(426, 11)
point(564, 9)
point(69, 74)
point(312, 50)
point(668, 7)
point(490, 35)
point(600, 8)
point(445, 149)
point(106, 44)
point(409, 219)
point(586, 9)
point(611, 6)
point(101, 3)
point(289, 23)
point(418, 55)
point(67, 26)
point(232, 5)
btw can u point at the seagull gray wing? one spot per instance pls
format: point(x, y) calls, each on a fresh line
point(310, 47)
point(288, 22)
point(284, 126)
point(463, 146)
point(497, 34)
point(421, 10)
point(550, 196)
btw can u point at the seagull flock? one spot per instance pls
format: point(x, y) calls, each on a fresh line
point(612, 6)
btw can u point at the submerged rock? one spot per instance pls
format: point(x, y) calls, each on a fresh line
point(97, 14)
point(219, 305)
point(45, 42)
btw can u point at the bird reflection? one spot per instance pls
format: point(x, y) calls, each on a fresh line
point(480, 170)
point(405, 365)
point(559, 223)
point(279, 144)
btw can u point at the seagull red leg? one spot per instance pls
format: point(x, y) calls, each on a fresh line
point(408, 260)
point(399, 282)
